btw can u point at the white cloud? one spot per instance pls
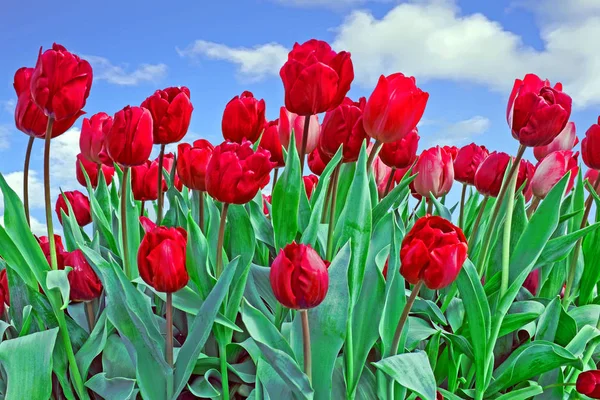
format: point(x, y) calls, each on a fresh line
point(5, 133)
point(254, 63)
point(37, 227)
point(9, 105)
point(119, 74)
point(456, 133)
point(63, 154)
point(36, 188)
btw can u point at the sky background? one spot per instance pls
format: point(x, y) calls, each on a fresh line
point(465, 53)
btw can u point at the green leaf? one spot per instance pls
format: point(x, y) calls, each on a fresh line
point(411, 370)
point(93, 346)
point(522, 394)
point(591, 269)
point(263, 230)
point(133, 229)
point(116, 361)
point(519, 315)
point(58, 280)
point(197, 259)
point(203, 388)
point(388, 201)
point(117, 388)
point(558, 248)
point(262, 330)
point(440, 208)
point(548, 323)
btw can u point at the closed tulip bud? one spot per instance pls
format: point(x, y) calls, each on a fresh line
point(565, 140)
point(171, 111)
point(401, 153)
point(315, 78)
point(532, 282)
point(551, 170)
point(142, 186)
point(91, 169)
point(343, 127)
point(590, 146)
point(316, 163)
point(435, 172)
point(235, 172)
point(588, 384)
point(466, 162)
point(79, 203)
point(91, 140)
point(381, 172)
point(537, 112)
point(4, 291)
point(290, 122)
point(489, 175)
point(299, 277)
point(128, 139)
point(192, 161)
point(161, 258)
point(310, 183)
point(394, 108)
point(58, 245)
point(83, 281)
point(270, 141)
point(60, 83)
point(243, 118)
point(452, 150)
point(592, 176)
point(433, 251)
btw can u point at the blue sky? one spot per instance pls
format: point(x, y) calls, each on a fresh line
point(465, 53)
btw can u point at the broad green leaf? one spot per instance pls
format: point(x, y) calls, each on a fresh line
point(202, 387)
point(58, 280)
point(591, 269)
point(522, 394)
point(519, 315)
point(117, 388)
point(93, 346)
point(411, 370)
point(197, 259)
point(548, 323)
point(263, 330)
point(388, 201)
point(116, 361)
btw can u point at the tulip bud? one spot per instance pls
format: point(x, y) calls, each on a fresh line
point(60, 83)
point(58, 245)
point(565, 140)
point(394, 108)
point(142, 186)
point(299, 277)
point(551, 170)
point(343, 126)
point(171, 111)
point(266, 199)
point(466, 162)
point(91, 140)
point(452, 150)
point(315, 163)
point(4, 291)
point(243, 118)
point(80, 204)
point(290, 122)
point(381, 172)
point(84, 283)
point(192, 161)
point(536, 112)
point(590, 147)
point(489, 175)
point(532, 282)
point(161, 258)
point(433, 251)
point(128, 139)
point(401, 153)
point(168, 161)
point(270, 141)
point(588, 383)
point(310, 183)
point(315, 78)
point(91, 170)
point(235, 173)
point(435, 172)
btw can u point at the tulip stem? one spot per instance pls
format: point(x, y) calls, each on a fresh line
point(334, 184)
point(388, 185)
point(506, 245)
point(160, 200)
point(224, 373)
point(306, 342)
point(404, 317)
point(414, 211)
point(89, 311)
point(124, 222)
point(49, 223)
point(577, 249)
point(143, 208)
point(461, 217)
point(304, 142)
point(475, 229)
point(169, 337)
point(201, 210)
point(429, 206)
point(327, 199)
point(219, 267)
point(533, 206)
point(275, 176)
point(373, 154)
point(26, 178)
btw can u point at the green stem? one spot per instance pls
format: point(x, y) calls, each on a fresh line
point(275, 176)
point(404, 317)
point(349, 357)
point(64, 333)
point(306, 343)
point(334, 184)
point(48, 201)
point(89, 312)
point(169, 336)
point(26, 178)
point(126, 266)
point(506, 239)
point(388, 185)
point(414, 211)
point(304, 142)
point(219, 267)
point(429, 206)
point(461, 217)
point(477, 223)
point(373, 154)
point(224, 374)
point(160, 200)
point(327, 199)
point(201, 211)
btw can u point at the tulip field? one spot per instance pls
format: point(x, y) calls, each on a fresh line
point(316, 256)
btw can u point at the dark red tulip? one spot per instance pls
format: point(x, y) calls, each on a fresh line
point(310, 183)
point(433, 251)
point(80, 204)
point(565, 140)
point(192, 161)
point(315, 78)
point(58, 245)
point(142, 185)
point(299, 277)
point(343, 126)
point(537, 112)
point(290, 122)
point(128, 140)
point(590, 147)
point(316, 163)
point(243, 118)
point(435, 172)
point(85, 284)
point(171, 111)
point(394, 108)
point(532, 283)
point(401, 153)
point(91, 140)
point(270, 141)
point(466, 162)
point(588, 383)
point(161, 258)
point(489, 175)
point(235, 172)
point(4, 291)
point(452, 150)
point(551, 170)
point(60, 83)
point(592, 176)
point(91, 169)
point(266, 199)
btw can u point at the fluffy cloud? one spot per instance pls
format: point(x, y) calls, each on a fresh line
point(63, 154)
point(36, 188)
point(119, 75)
point(5, 133)
point(455, 133)
point(38, 228)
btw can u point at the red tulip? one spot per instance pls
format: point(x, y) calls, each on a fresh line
point(299, 277)
point(80, 204)
point(588, 383)
point(435, 172)
point(270, 141)
point(452, 150)
point(394, 108)
point(92, 171)
point(142, 185)
point(58, 245)
point(343, 126)
point(315, 163)
point(310, 183)
point(84, 283)
point(243, 118)
point(171, 111)
point(266, 199)
point(532, 283)
point(315, 78)
point(289, 122)
point(235, 173)
point(168, 161)
point(565, 140)
point(128, 140)
point(61, 83)
point(489, 175)
point(536, 112)
point(161, 258)
point(466, 162)
point(592, 176)
point(4, 291)
point(381, 172)
point(91, 140)
point(192, 161)
point(551, 170)
point(590, 146)
point(401, 153)
point(433, 251)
